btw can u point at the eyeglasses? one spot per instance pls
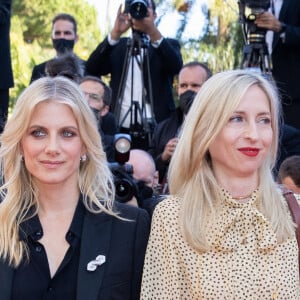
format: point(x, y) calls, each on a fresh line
point(92, 96)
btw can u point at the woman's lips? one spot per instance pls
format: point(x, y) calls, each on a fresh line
point(249, 151)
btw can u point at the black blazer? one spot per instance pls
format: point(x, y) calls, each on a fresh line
point(286, 55)
point(38, 71)
point(123, 243)
point(165, 63)
point(6, 73)
point(163, 132)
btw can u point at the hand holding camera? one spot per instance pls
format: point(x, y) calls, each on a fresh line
point(140, 16)
point(268, 21)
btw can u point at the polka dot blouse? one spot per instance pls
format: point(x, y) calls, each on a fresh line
point(248, 263)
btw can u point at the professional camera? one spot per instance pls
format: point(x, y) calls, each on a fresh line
point(125, 185)
point(138, 9)
point(257, 4)
point(255, 51)
point(254, 34)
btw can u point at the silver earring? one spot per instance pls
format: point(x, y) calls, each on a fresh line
point(83, 158)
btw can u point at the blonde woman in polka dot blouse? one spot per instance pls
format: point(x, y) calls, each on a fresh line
point(225, 232)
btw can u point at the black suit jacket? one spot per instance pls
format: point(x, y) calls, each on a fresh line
point(38, 71)
point(286, 55)
point(165, 63)
point(163, 132)
point(123, 243)
point(6, 73)
point(289, 144)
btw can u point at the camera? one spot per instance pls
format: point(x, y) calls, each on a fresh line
point(138, 9)
point(254, 34)
point(125, 185)
point(255, 51)
point(260, 5)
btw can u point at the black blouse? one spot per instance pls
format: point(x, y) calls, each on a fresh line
point(32, 278)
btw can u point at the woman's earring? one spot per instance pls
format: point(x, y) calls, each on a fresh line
point(83, 158)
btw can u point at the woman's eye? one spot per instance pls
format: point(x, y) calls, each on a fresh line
point(265, 120)
point(236, 119)
point(67, 133)
point(38, 133)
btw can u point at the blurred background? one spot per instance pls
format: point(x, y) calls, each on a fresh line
point(208, 31)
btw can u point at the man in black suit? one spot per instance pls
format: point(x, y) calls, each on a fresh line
point(6, 73)
point(283, 23)
point(64, 36)
point(165, 137)
point(163, 56)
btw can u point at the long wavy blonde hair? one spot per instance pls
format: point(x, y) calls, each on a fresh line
point(18, 193)
point(190, 173)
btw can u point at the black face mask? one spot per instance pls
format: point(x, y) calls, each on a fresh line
point(186, 100)
point(62, 45)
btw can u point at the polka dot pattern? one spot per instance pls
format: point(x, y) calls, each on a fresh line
point(247, 262)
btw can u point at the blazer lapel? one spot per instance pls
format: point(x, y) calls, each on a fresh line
point(6, 279)
point(95, 241)
point(285, 5)
point(282, 14)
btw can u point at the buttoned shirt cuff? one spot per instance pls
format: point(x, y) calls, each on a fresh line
point(282, 36)
point(156, 43)
point(111, 41)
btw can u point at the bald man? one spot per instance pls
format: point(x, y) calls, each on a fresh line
point(144, 171)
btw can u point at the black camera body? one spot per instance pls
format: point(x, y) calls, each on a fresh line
point(258, 5)
point(138, 9)
point(125, 185)
point(255, 35)
point(255, 51)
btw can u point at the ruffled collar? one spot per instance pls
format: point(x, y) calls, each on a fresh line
point(238, 221)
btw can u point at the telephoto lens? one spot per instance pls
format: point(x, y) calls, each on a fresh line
point(137, 8)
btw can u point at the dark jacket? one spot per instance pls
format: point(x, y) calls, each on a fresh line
point(6, 73)
point(163, 132)
point(289, 144)
point(164, 63)
point(286, 55)
point(123, 243)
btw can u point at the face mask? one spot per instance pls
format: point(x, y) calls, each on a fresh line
point(63, 45)
point(186, 100)
point(96, 113)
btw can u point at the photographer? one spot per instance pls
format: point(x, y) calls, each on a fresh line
point(166, 61)
point(283, 37)
point(146, 175)
point(135, 176)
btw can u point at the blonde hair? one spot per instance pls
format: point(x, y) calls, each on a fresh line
point(195, 183)
point(18, 193)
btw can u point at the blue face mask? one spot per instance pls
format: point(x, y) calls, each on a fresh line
point(62, 45)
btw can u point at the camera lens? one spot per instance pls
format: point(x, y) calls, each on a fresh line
point(138, 9)
point(124, 190)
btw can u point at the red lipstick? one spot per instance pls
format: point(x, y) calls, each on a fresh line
point(249, 151)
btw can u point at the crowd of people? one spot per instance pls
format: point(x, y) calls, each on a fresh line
point(208, 167)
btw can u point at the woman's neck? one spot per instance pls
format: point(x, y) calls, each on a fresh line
point(53, 201)
point(239, 188)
